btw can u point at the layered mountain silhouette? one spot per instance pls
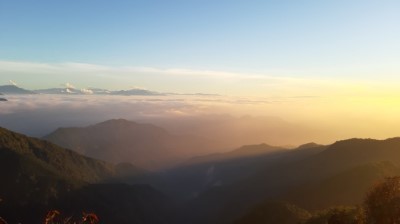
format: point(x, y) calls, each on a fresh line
point(232, 131)
point(132, 92)
point(219, 169)
point(70, 90)
point(117, 141)
point(251, 184)
point(12, 89)
point(38, 176)
point(66, 90)
point(246, 151)
point(313, 178)
point(98, 91)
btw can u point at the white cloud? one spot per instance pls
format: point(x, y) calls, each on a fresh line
point(13, 83)
point(87, 91)
point(69, 86)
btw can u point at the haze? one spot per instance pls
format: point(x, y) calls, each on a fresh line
point(238, 120)
point(327, 67)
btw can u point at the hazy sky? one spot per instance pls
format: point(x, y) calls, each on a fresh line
point(215, 46)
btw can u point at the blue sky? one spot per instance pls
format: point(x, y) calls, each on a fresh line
point(295, 39)
point(331, 63)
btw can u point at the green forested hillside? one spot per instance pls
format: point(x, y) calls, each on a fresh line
point(38, 176)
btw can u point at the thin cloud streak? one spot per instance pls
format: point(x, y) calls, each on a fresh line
point(269, 83)
point(85, 68)
point(94, 70)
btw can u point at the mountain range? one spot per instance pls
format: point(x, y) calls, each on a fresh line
point(120, 140)
point(12, 89)
point(70, 90)
point(251, 184)
point(309, 176)
point(313, 178)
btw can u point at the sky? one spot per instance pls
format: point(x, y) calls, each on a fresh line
point(333, 64)
point(229, 47)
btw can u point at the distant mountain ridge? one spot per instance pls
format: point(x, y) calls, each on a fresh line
point(121, 140)
point(12, 89)
point(97, 91)
point(246, 151)
point(70, 90)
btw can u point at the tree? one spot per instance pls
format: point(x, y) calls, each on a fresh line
point(337, 215)
point(346, 216)
point(2, 221)
point(382, 203)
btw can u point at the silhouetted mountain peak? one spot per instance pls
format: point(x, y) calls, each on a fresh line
point(12, 89)
point(132, 92)
point(116, 121)
point(309, 145)
point(123, 123)
point(246, 151)
point(120, 140)
point(364, 144)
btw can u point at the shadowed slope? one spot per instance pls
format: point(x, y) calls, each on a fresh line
point(354, 163)
point(275, 212)
point(38, 176)
point(120, 140)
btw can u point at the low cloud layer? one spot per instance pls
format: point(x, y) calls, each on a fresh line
point(39, 114)
point(232, 120)
point(216, 117)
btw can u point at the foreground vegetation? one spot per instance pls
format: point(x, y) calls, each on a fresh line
point(54, 217)
point(381, 206)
